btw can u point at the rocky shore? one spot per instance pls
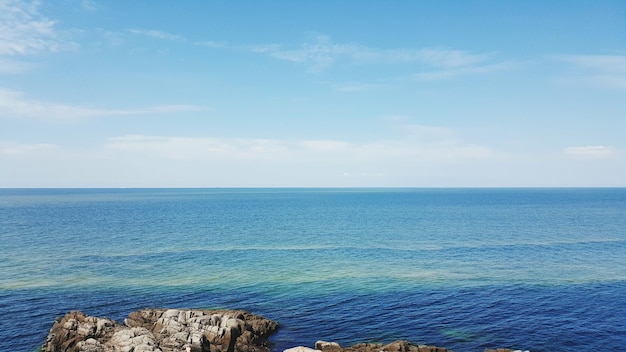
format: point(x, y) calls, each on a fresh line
point(189, 330)
point(162, 330)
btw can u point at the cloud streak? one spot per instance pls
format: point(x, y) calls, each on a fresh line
point(608, 71)
point(157, 34)
point(592, 151)
point(14, 104)
point(21, 149)
point(321, 53)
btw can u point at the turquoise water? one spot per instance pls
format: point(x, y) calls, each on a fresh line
point(468, 269)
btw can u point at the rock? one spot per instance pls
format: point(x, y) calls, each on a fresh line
point(396, 346)
point(301, 349)
point(161, 330)
point(327, 346)
point(191, 330)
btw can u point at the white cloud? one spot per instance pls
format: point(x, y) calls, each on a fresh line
point(156, 34)
point(208, 148)
point(606, 63)
point(24, 31)
point(608, 81)
point(15, 104)
point(364, 174)
point(592, 151)
point(324, 146)
point(21, 149)
point(194, 148)
point(418, 151)
point(448, 58)
point(608, 71)
point(451, 72)
point(89, 5)
point(250, 162)
point(182, 161)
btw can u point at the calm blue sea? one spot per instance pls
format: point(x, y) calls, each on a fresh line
point(467, 269)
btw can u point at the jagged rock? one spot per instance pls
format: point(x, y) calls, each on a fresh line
point(162, 330)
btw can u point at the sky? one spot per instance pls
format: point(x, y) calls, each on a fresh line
point(130, 93)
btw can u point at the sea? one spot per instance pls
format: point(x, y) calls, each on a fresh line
point(538, 269)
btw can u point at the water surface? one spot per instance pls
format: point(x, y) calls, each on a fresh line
point(467, 269)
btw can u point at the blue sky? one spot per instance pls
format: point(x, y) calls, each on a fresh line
point(312, 93)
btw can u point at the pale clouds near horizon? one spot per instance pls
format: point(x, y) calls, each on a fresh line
point(94, 95)
point(158, 161)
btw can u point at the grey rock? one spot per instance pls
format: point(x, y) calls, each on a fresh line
point(162, 330)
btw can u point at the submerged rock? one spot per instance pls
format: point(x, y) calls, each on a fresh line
point(396, 346)
point(162, 330)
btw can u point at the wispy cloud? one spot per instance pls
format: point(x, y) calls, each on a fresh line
point(443, 58)
point(21, 149)
point(154, 33)
point(15, 104)
point(24, 31)
point(592, 151)
point(356, 86)
point(607, 71)
point(604, 63)
point(89, 5)
point(321, 53)
point(451, 72)
point(118, 38)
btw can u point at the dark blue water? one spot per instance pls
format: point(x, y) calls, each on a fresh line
point(467, 269)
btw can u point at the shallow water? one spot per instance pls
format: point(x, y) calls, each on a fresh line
point(467, 269)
